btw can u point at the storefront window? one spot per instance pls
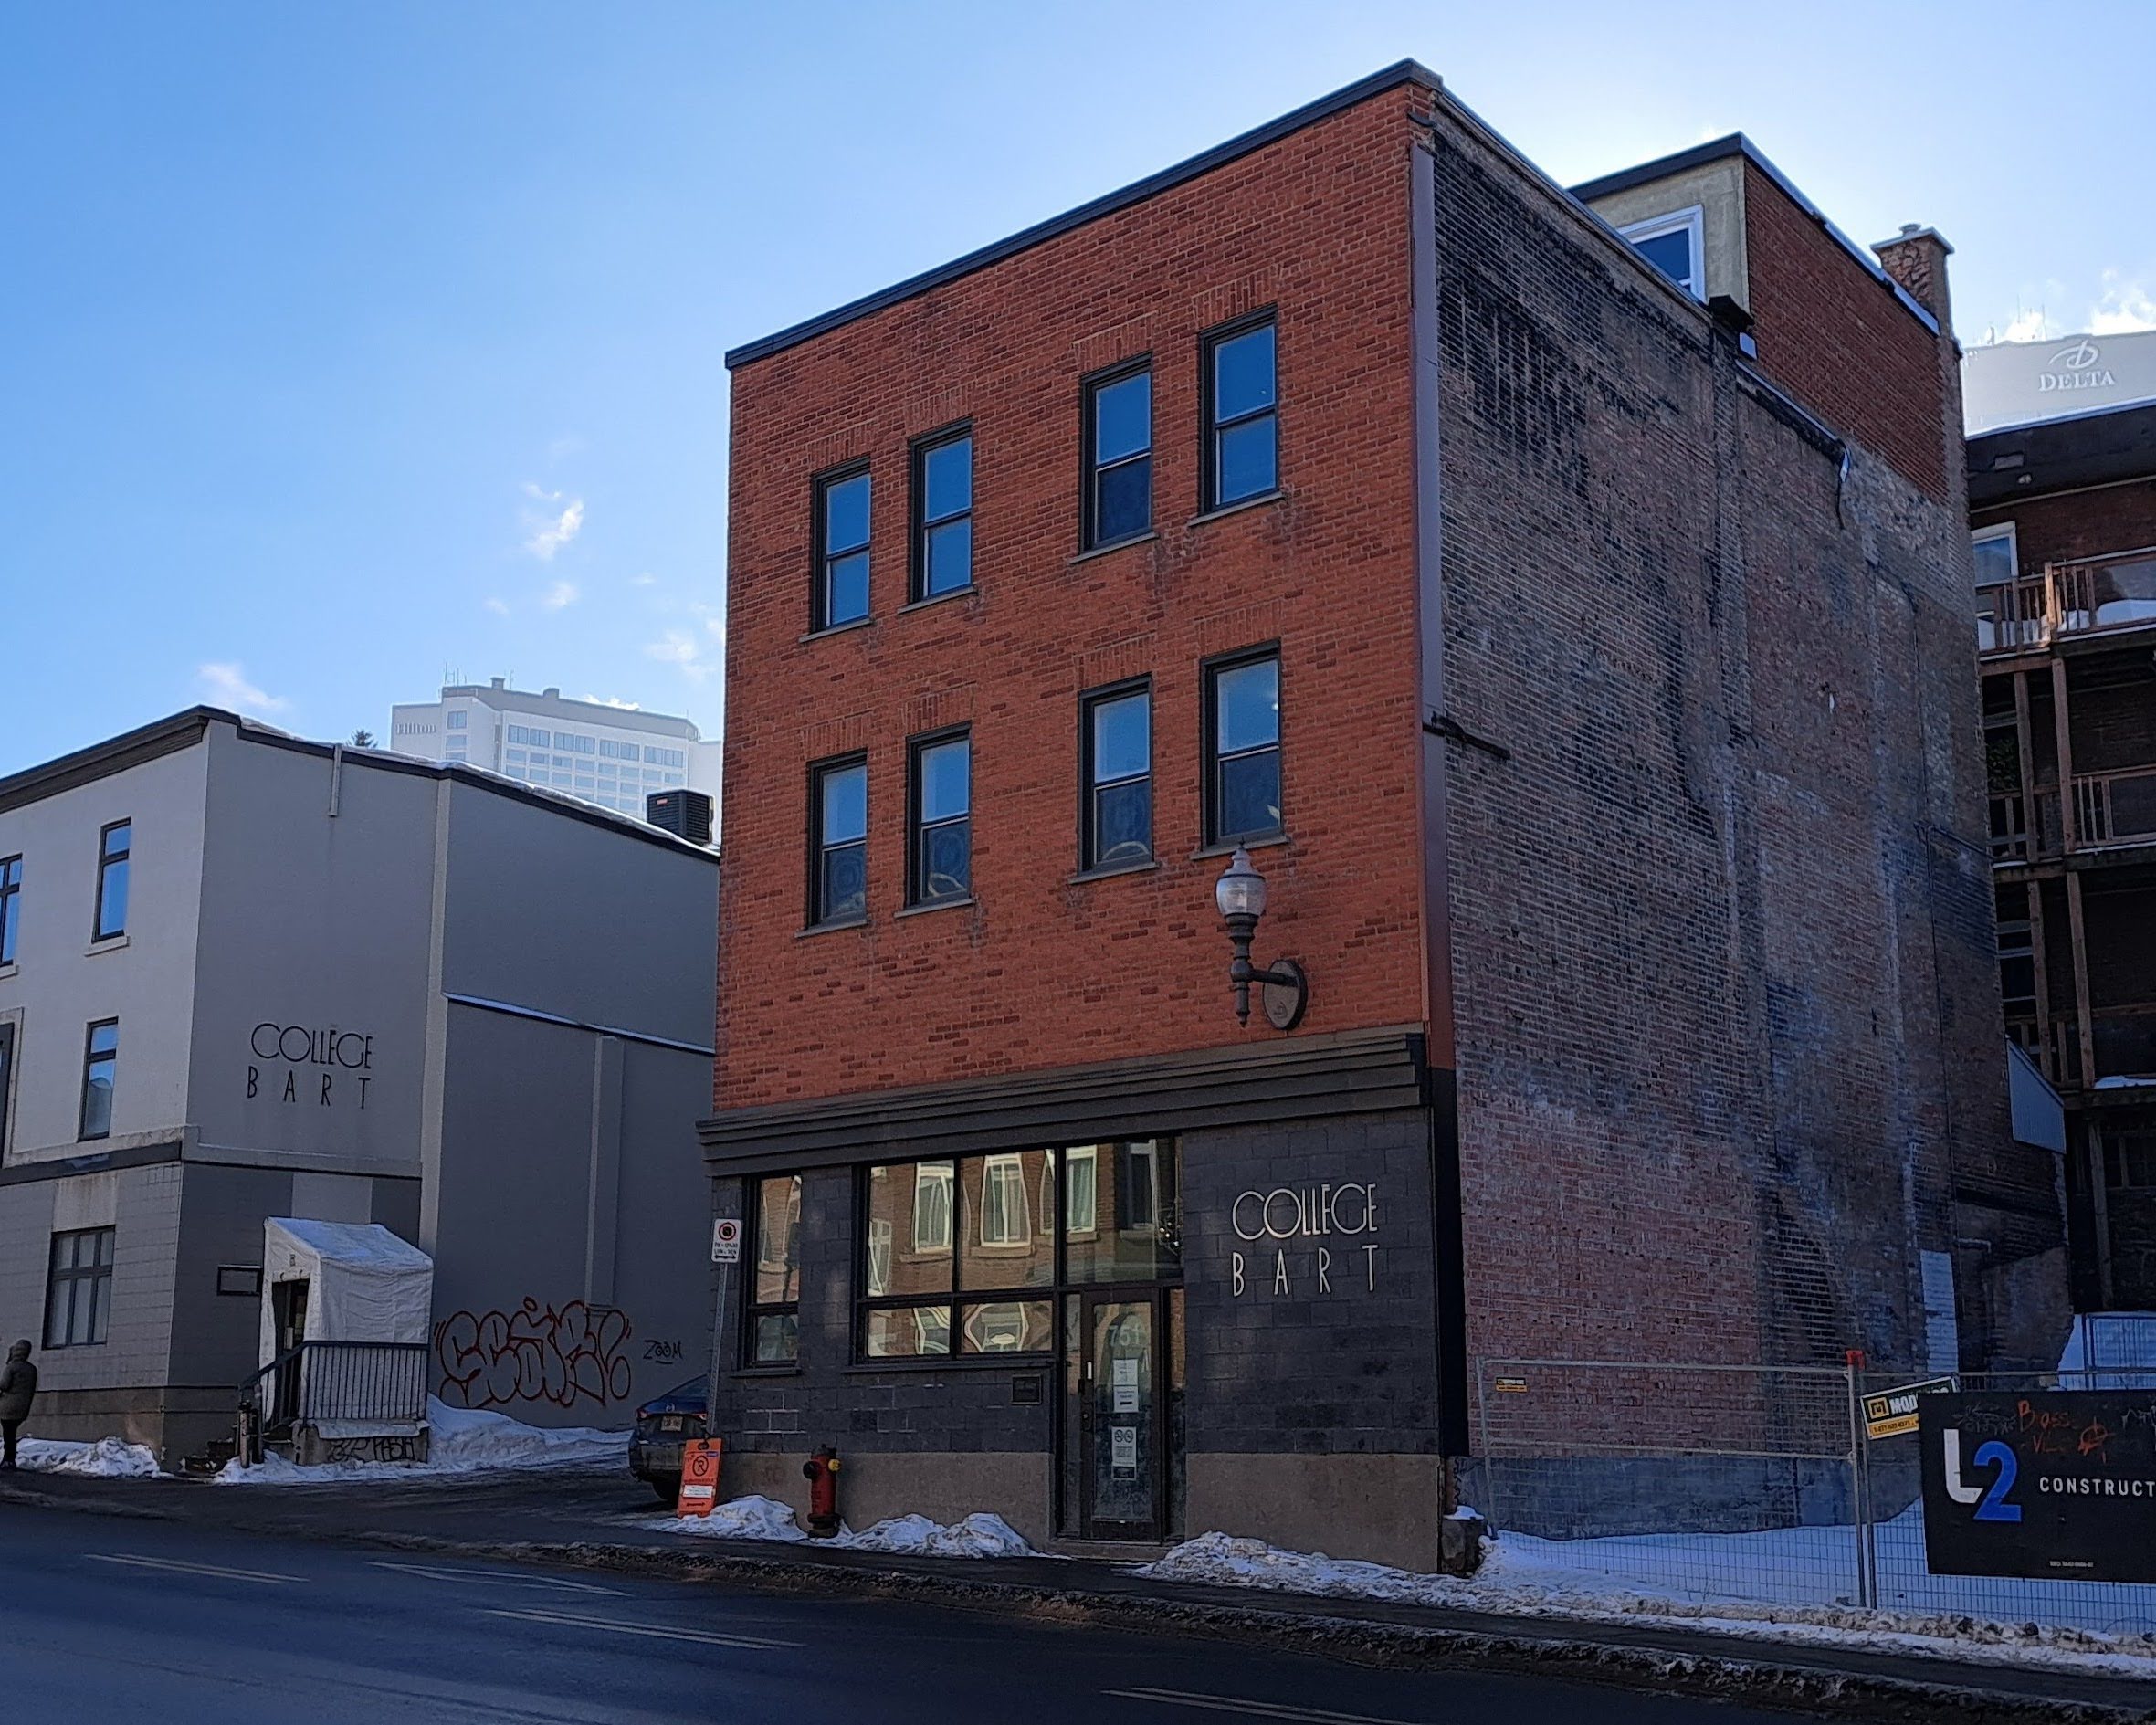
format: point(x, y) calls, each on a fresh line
point(775, 1288)
point(961, 1254)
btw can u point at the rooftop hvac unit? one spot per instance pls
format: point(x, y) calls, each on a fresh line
point(685, 814)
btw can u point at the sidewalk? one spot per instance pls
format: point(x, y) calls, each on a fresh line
point(591, 1521)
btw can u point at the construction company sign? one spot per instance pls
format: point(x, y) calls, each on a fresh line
point(2013, 382)
point(2049, 1484)
point(1337, 1221)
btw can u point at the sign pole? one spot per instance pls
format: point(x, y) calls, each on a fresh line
point(726, 1254)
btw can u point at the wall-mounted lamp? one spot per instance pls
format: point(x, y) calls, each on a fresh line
point(1240, 894)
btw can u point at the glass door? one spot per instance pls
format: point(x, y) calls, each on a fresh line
point(1122, 1446)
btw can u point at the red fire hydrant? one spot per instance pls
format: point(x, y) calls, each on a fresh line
point(821, 1471)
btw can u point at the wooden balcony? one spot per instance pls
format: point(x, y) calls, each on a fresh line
point(2094, 595)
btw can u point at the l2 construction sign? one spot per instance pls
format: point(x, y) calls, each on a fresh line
point(2053, 1484)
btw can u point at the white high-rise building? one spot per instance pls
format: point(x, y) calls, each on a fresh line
point(614, 756)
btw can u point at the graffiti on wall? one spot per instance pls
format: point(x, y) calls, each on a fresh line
point(536, 1353)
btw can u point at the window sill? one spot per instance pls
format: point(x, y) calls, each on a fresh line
point(830, 928)
point(1269, 842)
point(1236, 508)
point(7, 971)
point(1110, 549)
point(934, 904)
point(939, 598)
point(1112, 870)
point(835, 628)
point(110, 943)
point(956, 1362)
point(767, 1371)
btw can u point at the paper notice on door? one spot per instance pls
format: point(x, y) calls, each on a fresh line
point(1126, 1387)
point(1122, 1449)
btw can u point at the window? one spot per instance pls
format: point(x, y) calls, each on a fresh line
point(11, 905)
point(2129, 1158)
point(101, 1062)
point(6, 1079)
point(995, 1294)
point(1993, 552)
point(1672, 244)
point(943, 515)
point(842, 552)
point(774, 1297)
point(943, 831)
point(517, 756)
point(112, 853)
point(839, 842)
point(1242, 424)
point(78, 1290)
point(1116, 438)
point(1243, 748)
point(1116, 739)
point(458, 721)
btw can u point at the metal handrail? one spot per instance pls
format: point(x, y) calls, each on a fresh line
point(339, 1381)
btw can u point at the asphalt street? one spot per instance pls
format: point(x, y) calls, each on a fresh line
point(123, 1618)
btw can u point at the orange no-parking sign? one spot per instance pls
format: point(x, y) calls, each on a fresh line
point(699, 1475)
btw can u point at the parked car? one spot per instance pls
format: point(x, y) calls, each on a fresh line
point(663, 1424)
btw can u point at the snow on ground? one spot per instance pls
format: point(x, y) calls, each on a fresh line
point(108, 1458)
point(1777, 1583)
point(462, 1441)
point(753, 1518)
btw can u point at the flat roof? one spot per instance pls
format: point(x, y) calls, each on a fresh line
point(1272, 131)
point(184, 730)
point(2103, 448)
point(561, 705)
point(1738, 144)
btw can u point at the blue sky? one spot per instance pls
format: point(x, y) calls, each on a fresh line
point(347, 345)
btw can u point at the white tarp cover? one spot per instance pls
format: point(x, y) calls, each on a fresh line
point(363, 1283)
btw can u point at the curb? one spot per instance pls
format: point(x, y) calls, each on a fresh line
point(1397, 1646)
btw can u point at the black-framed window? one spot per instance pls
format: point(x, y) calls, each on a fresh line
point(965, 1255)
point(11, 905)
point(1117, 456)
point(114, 843)
point(1242, 747)
point(1115, 738)
point(842, 549)
point(839, 841)
point(6, 1078)
point(939, 818)
point(1242, 413)
point(943, 514)
point(773, 1305)
point(100, 1066)
point(78, 1289)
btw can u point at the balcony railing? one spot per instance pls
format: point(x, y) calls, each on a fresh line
point(2117, 592)
point(2057, 1054)
point(2115, 808)
point(2012, 841)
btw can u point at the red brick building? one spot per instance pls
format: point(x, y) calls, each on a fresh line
point(2063, 517)
point(1580, 651)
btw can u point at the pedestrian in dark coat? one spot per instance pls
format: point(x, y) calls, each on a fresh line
point(18, 1385)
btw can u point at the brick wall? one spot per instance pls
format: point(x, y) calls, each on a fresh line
point(1723, 938)
point(1835, 337)
point(2078, 523)
point(1042, 970)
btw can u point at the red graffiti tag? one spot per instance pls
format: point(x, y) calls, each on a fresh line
point(533, 1354)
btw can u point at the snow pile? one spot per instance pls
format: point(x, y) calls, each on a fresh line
point(1584, 1579)
point(462, 1441)
point(108, 1458)
point(979, 1535)
point(750, 1517)
point(753, 1518)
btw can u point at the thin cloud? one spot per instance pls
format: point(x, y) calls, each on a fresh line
point(646, 580)
point(227, 685)
point(680, 648)
point(498, 605)
point(610, 700)
point(2028, 326)
point(2125, 308)
point(556, 530)
point(559, 596)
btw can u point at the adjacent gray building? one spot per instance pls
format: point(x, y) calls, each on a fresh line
point(244, 975)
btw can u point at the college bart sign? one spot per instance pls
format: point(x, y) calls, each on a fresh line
point(322, 1066)
point(2047, 1484)
point(1305, 1239)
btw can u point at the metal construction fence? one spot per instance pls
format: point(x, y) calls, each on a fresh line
point(1749, 1486)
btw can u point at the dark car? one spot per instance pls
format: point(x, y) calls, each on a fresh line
point(663, 1424)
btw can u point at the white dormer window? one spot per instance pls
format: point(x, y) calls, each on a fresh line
point(1674, 245)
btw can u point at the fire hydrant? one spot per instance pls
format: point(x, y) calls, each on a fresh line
point(821, 1471)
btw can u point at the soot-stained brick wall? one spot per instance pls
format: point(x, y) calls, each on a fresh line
point(1728, 1031)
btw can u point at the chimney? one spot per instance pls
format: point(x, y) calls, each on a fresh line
point(498, 682)
point(1916, 259)
point(550, 694)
